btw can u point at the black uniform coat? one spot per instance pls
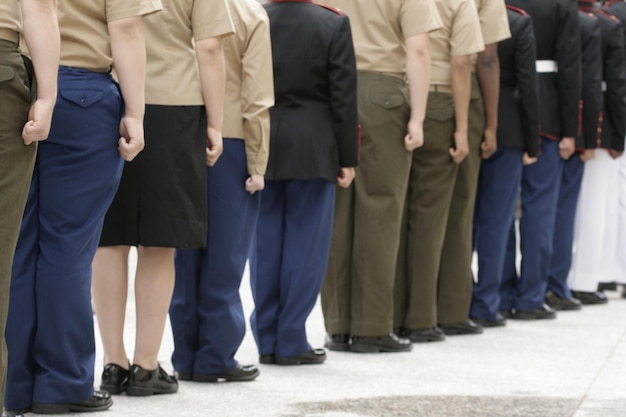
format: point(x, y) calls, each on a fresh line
point(590, 41)
point(614, 136)
point(518, 106)
point(555, 23)
point(314, 123)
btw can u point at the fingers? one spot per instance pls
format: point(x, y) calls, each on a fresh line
point(411, 143)
point(487, 149)
point(129, 149)
point(458, 155)
point(32, 132)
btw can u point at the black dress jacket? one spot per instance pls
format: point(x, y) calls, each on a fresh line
point(614, 70)
point(314, 122)
point(590, 41)
point(555, 23)
point(518, 106)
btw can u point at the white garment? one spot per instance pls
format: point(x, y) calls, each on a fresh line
point(620, 255)
point(595, 231)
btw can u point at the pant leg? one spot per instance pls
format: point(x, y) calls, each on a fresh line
point(590, 224)
point(232, 216)
point(620, 266)
point(16, 167)
point(563, 240)
point(540, 191)
point(610, 239)
point(265, 266)
point(455, 273)
point(498, 189)
point(79, 169)
point(510, 277)
point(308, 230)
point(433, 174)
point(380, 191)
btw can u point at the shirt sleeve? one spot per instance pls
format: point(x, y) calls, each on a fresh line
point(211, 18)
point(494, 21)
point(122, 9)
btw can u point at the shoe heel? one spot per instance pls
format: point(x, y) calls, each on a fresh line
point(356, 347)
point(139, 391)
point(50, 408)
point(112, 389)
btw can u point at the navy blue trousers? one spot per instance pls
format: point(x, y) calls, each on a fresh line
point(50, 328)
point(206, 312)
point(540, 191)
point(288, 261)
point(561, 261)
point(496, 199)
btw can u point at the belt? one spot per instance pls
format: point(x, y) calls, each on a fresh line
point(437, 88)
point(9, 35)
point(546, 66)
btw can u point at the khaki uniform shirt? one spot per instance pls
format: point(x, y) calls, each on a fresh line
point(84, 32)
point(380, 28)
point(10, 17)
point(460, 35)
point(172, 68)
point(494, 22)
point(249, 82)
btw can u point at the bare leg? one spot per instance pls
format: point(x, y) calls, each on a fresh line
point(154, 284)
point(109, 288)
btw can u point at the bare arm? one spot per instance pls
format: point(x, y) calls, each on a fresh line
point(418, 74)
point(41, 32)
point(488, 73)
point(210, 57)
point(129, 58)
point(461, 87)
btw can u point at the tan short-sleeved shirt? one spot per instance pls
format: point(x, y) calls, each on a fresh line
point(494, 22)
point(172, 68)
point(84, 32)
point(10, 16)
point(249, 82)
point(460, 35)
point(380, 28)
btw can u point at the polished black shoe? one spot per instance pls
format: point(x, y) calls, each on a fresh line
point(114, 379)
point(500, 321)
point(99, 401)
point(373, 344)
point(590, 298)
point(468, 327)
point(562, 304)
point(238, 373)
point(433, 334)
point(14, 413)
point(312, 357)
point(144, 382)
point(545, 312)
point(607, 286)
point(183, 376)
point(337, 342)
point(507, 314)
point(267, 359)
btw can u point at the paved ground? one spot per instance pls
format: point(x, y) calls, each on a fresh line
point(574, 366)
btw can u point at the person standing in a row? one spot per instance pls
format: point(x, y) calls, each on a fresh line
point(501, 174)
point(434, 170)
point(313, 148)
point(161, 203)
point(78, 169)
point(22, 122)
point(392, 44)
point(206, 312)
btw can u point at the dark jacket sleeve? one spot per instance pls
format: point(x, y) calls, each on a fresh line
point(526, 74)
point(615, 95)
point(343, 94)
point(569, 74)
point(591, 46)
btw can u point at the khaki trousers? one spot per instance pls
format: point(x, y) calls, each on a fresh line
point(357, 294)
point(432, 179)
point(16, 168)
point(455, 274)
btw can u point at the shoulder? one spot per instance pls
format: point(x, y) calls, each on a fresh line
point(330, 9)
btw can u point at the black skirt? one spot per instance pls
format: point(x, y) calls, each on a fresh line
point(161, 200)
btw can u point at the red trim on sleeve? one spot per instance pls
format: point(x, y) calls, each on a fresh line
point(517, 9)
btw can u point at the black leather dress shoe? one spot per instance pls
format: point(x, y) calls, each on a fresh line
point(337, 342)
point(373, 344)
point(312, 357)
point(607, 286)
point(267, 359)
point(500, 321)
point(144, 382)
point(183, 376)
point(590, 298)
point(114, 379)
point(562, 304)
point(468, 327)
point(99, 401)
point(14, 413)
point(238, 373)
point(545, 312)
point(433, 334)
